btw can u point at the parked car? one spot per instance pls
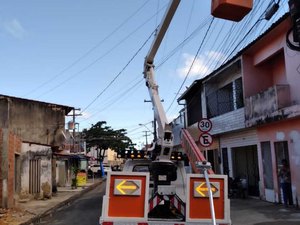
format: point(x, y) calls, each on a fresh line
point(94, 170)
point(116, 168)
point(106, 168)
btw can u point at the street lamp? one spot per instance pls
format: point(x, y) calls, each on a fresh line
point(146, 133)
point(140, 124)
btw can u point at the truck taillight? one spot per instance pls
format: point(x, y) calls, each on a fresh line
point(131, 154)
point(176, 156)
point(107, 223)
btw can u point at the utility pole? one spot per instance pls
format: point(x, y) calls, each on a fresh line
point(146, 135)
point(154, 123)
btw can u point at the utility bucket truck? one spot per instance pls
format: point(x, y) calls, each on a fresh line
point(155, 189)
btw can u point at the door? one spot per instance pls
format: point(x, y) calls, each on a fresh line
point(212, 156)
point(245, 166)
point(34, 176)
point(267, 171)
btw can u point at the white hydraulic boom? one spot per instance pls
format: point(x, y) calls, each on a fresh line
point(165, 194)
point(164, 129)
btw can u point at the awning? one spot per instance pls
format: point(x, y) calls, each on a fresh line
point(66, 156)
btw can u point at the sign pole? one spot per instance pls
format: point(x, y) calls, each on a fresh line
point(204, 166)
point(211, 200)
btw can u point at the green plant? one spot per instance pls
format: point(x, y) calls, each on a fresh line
point(74, 182)
point(75, 171)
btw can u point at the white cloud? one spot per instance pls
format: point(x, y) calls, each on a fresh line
point(199, 69)
point(215, 56)
point(14, 28)
point(202, 65)
point(170, 118)
point(86, 115)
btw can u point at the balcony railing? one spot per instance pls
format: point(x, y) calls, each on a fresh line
point(265, 106)
point(73, 148)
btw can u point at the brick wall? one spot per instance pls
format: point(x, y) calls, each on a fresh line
point(14, 146)
point(11, 170)
point(7, 169)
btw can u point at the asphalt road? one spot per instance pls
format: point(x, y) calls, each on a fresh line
point(86, 210)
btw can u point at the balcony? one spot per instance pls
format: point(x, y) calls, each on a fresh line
point(267, 106)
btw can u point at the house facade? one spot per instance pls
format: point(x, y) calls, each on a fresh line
point(69, 155)
point(253, 103)
point(31, 131)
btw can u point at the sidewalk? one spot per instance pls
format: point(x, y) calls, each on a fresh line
point(257, 212)
point(27, 213)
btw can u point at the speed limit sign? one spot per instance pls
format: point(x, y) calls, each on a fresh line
point(205, 125)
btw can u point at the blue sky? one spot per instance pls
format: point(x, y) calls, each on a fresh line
point(89, 54)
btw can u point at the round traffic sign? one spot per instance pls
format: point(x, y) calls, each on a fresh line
point(205, 139)
point(205, 125)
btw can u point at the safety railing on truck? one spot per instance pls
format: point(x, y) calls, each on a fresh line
point(192, 151)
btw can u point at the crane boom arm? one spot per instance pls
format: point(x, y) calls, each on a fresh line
point(162, 31)
point(164, 129)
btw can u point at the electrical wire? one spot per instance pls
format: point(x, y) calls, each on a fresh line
point(173, 52)
point(87, 52)
point(246, 35)
point(197, 53)
point(185, 35)
point(190, 101)
point(118, 98)
point(102, 56)
point(122, 70)
point(184, 42)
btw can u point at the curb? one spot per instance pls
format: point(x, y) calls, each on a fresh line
point(36, 219)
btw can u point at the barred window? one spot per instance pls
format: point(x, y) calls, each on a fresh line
point(225, 99)
point(239, 96)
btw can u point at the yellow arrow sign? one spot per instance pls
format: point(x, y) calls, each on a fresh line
point(126, 187)
point(203, 190)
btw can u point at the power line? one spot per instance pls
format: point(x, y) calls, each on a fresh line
point(112, 102)
point(122, 70)
point(88, 52)
point(246, 35)
point(260, 18)
point(211, 63)
point(100, 57)
point(185, 35)
point(209, 26)
point(184, 42)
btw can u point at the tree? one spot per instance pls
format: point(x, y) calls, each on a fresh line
point(103, 137)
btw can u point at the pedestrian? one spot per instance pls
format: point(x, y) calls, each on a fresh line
point(285, 183)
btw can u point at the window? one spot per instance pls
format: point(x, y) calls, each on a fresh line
point(141, 168)
point(225, 99)
point(194, 110)
point(238, 93)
